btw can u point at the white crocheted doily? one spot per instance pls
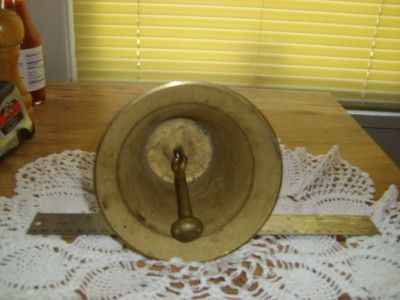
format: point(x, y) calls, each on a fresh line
point(268, 267)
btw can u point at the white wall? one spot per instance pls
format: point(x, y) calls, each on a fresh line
point(51, 20)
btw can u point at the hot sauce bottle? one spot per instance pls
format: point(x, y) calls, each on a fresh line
point(31, 63)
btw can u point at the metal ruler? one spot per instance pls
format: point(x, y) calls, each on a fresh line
point(319, 225)
point(80, 224)
point(69, 224)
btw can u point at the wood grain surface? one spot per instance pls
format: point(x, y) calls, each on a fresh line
point(77, 114)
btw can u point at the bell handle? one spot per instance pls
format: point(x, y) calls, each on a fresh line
point(187, 228)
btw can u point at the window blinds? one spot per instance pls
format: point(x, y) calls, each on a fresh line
point(350, 48)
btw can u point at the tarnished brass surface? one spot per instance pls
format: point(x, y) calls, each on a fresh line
point(233, 189)
point(179, 132)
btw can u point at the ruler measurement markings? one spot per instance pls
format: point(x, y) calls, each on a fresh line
point(78, 224)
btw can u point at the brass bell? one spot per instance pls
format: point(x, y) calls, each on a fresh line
point(188, 169)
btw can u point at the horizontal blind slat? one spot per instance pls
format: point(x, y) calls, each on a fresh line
point(296, 44)
point(96, 7)
point(104, 19)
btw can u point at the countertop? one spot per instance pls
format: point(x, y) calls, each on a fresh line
point(76, 115)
